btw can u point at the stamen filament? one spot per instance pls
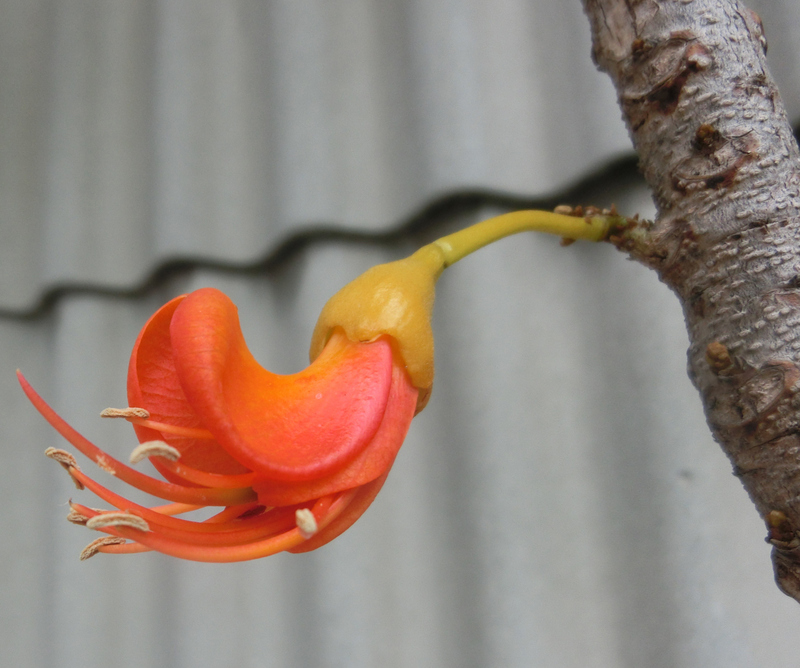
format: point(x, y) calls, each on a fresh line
point(236, 512)
point(159, 488)
point(153, 516)
point(325, 510)
point(123, 548)
point(175, 508)
point(281, 521)
point(165, 428)
point(206, 479)
point(116, 546)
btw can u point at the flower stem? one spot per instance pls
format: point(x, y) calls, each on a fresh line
point(396, 299)
point(460, 244)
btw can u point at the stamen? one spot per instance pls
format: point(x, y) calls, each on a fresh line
point(306, 522)
point(117, 519)
point(157, 518)
point(235, 533)
point(239, 512)
point(206, 479)
point(96, 546)
point(103, 462)
point(154, 449)
point(164, 427)
point(124, 548)
point(328, 508)
point(130, 412)
point(160, 488)
point(80, 514)
point(77, 518)
point(255, 510)
point(141, 416)
point(67, 461)
point(201, 497)
point(176, 508)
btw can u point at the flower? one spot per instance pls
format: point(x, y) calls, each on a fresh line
point(294, 459)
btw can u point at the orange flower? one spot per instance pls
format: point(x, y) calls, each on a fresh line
point(294, 459)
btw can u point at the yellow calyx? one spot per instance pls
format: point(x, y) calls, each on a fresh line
point(394, 299)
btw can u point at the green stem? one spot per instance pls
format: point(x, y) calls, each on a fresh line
point(460, 244)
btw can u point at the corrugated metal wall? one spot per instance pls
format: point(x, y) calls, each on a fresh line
point(559, 503)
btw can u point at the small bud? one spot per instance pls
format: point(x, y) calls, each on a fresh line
point(718, 358)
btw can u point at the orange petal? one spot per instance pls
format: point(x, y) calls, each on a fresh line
point(153, 384)
point(289, 428)
point(373, 461)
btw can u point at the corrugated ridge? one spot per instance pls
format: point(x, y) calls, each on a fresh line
point(424, 223)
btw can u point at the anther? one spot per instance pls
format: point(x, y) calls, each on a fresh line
point(306, 522)
point(62, 457)
point(130, 412)
point(94, 547)
point(118, 519)
point(154, 449)
point(67, 461)
point(77, 518)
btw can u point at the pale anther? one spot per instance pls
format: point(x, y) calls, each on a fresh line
point(77, 518)
point(154, 449)
point(67, 461)
point(94, 547)
point(62, 457)
point(306, 522)
point(130, 412)
point(120, 519)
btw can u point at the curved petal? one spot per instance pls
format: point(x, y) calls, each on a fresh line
point(153, 384)
point(376, 459)
point(289, 428)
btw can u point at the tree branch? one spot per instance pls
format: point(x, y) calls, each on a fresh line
point(717, 149)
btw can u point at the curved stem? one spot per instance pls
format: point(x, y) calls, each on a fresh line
point(460, 244)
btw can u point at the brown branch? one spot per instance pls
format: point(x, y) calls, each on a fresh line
point(717, 150)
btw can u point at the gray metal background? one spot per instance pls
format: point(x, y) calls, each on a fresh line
point(559, 503)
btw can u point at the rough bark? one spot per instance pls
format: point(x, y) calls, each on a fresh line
point(718, 152)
